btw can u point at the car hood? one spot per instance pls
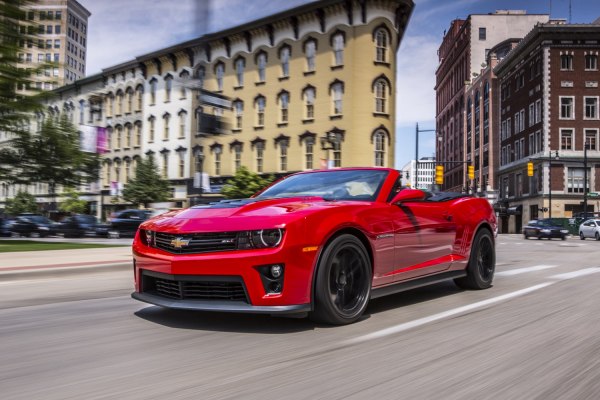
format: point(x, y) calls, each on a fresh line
point(233, 215)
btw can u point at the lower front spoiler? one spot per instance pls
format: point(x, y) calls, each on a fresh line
point(220, 306)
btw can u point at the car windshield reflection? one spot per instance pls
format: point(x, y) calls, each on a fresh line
point(360, 185)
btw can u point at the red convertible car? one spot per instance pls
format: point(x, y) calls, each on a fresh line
point(320, 243)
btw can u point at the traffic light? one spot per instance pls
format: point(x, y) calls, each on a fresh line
point(529, 169)
point(471, 172)
point(439, 174)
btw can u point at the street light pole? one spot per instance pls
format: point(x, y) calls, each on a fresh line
point(417, 131)
point(550, 183)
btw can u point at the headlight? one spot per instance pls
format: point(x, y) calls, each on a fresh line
point(266, 238)
point(43, 228)
point(147, 237)
point(564, 231)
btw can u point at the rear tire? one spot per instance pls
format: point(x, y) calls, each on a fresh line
point(482, 263)
point(343, 282)
point(581, 236)
point(597, 236)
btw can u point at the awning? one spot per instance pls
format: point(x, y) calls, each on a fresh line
point(516, 210)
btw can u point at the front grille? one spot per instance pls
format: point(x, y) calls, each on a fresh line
point(189, 287)
point(196, 242)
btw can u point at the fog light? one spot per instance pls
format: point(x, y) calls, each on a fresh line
point(276, 271)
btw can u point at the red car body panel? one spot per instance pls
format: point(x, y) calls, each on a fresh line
point(405, 241)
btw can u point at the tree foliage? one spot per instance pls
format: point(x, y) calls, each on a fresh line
point(244, 184)
point(147, 186)
point(23, 202)
point(73, 204)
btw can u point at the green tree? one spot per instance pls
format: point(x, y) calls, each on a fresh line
point(244, 184)
point(147, 186)
point(73, 204)
point(19, 99)
point(23, 202)
point(53, 156)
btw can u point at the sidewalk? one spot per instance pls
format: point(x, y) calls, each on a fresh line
point(26, 262)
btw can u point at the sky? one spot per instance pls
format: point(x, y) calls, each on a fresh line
point(118, 31)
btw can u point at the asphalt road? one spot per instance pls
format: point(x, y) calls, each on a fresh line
point(534, 335)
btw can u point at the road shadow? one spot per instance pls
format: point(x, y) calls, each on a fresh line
point(273, 325)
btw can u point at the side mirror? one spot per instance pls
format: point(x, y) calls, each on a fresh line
point(408, 195)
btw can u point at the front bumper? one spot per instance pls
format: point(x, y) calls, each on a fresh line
point(221, 306)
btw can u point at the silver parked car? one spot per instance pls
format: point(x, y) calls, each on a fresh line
point(590, 229)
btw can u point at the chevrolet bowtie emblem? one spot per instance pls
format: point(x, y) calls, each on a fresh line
point(179, 242)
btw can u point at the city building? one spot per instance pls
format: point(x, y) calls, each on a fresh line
point(61, 28)
point(463, 54)
point(312, 87)
point(426, 172)
point(549, 113)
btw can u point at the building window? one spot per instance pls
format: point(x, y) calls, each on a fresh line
point(217, 152)
point(153, 92)
point(591, 139)
point(310, 50)
point(168, 87)
point(482, 34)
point(200, 75)
point(260, 153)
point(284, 56)
point(575, 179)
point(590, 107)
point(338, 49)
point(181, 164)
point(309, 102)
point(182, 91)
point(182, 124)
point(240, 63)
point(379, 141)
point(138, 134)
point(337, 93)
point(165, 165)
point(128, 135)
point(237, 157)
point(381, 96)
point(309, 153)
point(166, 121)
point(259, 105)
point(566, 62)
point(381, 45)
point(139, 93)
point(591, 62)
point(337, 154)
point(219, 72)
point(238, 109)
point(283, 155)
point(152, 122)
point(566, 107)
point(119, 103)
point(261, 62)
point(566, 139)
point(283, 100)
point(118, 137)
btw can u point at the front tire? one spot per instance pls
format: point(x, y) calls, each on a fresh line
point(597, 236)
point(581, 236)
point(482, 263)
point(343, 282)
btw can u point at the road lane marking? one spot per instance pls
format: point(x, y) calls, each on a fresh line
point(576, 274)
point(436, 317)
point(524, 270)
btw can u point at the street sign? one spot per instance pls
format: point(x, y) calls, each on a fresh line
point(592, 194)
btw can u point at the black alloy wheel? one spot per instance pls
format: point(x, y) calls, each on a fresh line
point(343, 282)
point(482, 263)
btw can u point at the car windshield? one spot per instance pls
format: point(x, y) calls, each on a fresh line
point(38, 219)
point(361, 185)
point(86, 219)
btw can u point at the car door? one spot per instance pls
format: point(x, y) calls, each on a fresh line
point(424, 243)
point(590, 229)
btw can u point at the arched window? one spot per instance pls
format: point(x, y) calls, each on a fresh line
point(119, 102)
point(128, 135)
point(219, 72)
point(118, 137)
point(168, 87)
point(261, 63)
point(238, 110)
point(152, 129)
point(259, 146)
point(284, 56)
point(182, 123)
point(200, 74)
point(337, 93)
point(283, 143)
point(217, 150)
point(129, 103)
point(240, 63)
point(237, 156)
point(379, 142)
point(153, 91)
point(166, 122)
point(139, 93)
point(381, 96)
point(308, 95)
point(310, 50)
point(338, 44)
point(283, 100)
point(185, 76)
point(381, 45)
point(138, 133)
point(259, 105)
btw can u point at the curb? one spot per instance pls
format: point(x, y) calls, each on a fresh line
point(65, 269)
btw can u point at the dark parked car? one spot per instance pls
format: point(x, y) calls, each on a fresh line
point(5, 225)
point(32, 224)
point(78, 225)
point(126, 222)
point(544, 228)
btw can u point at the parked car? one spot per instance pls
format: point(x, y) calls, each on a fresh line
point(321, 243)
point(590, 229)
point(78, 225)
point(544, 228)
point(32, 225)
point(5, 225)
point(126, 222)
